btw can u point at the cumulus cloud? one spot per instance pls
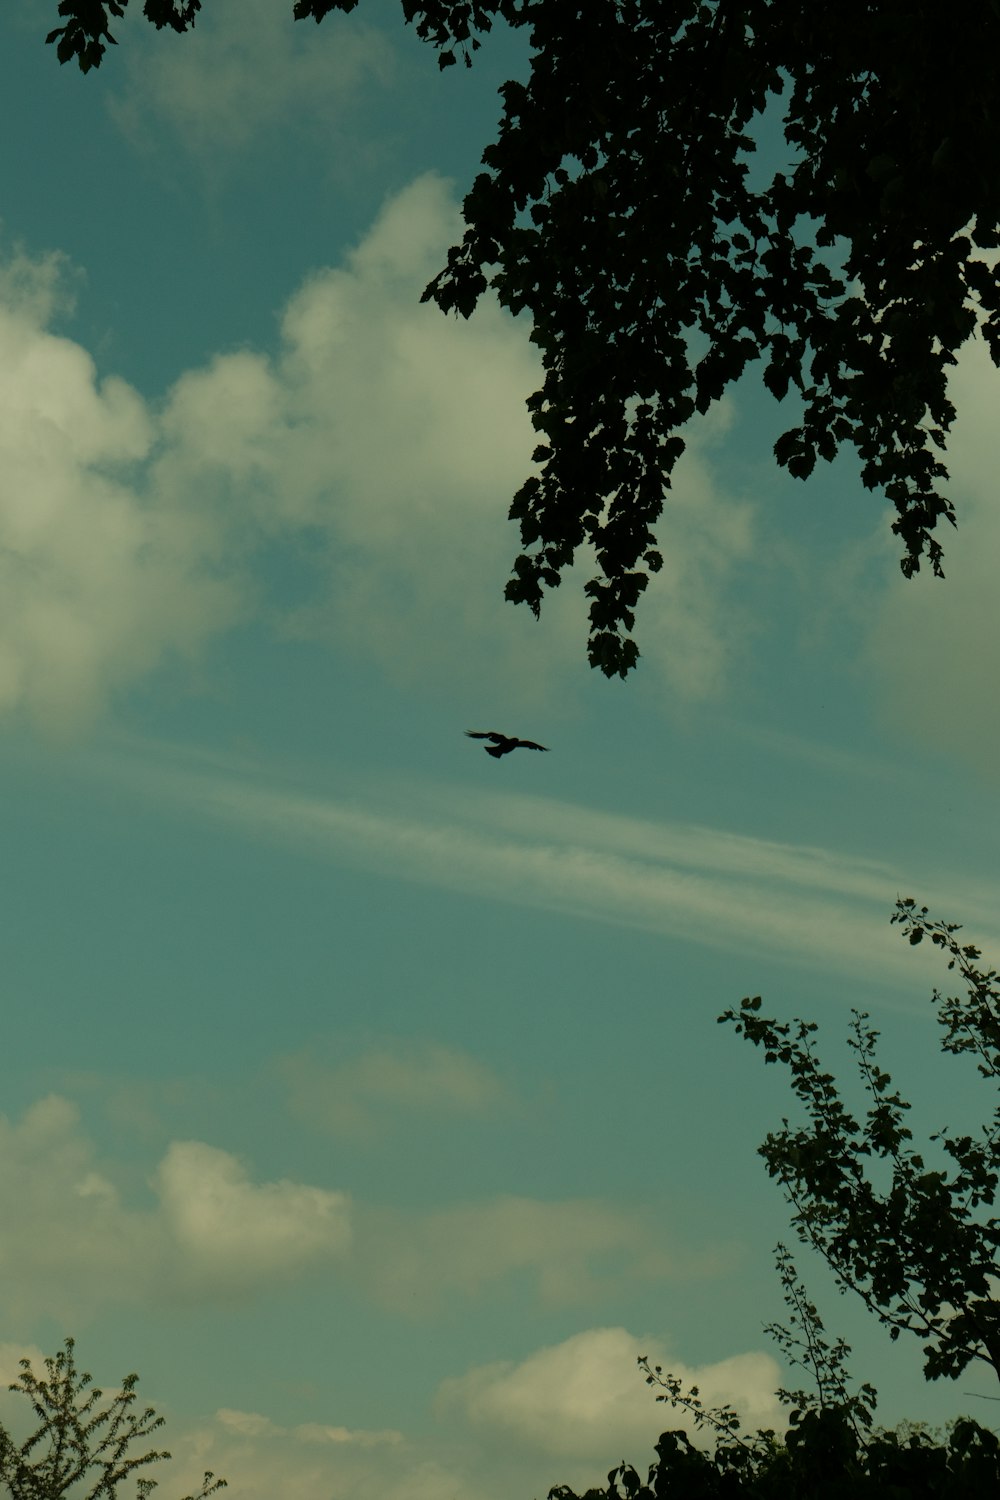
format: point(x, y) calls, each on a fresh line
point(64, 1235)
point(70, 1243)
point(253, 1424)
point(261, 1459)
point(381, 436)
point(584, 1403)
point(934, 644)
point(236, 1231)
point(562, 1414)
point(383, 432)
point(361, 1095)
point(96, 587)
point(409, 436)
point(422, 549)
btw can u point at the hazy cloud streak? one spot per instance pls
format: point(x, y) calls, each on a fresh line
point(808, 905)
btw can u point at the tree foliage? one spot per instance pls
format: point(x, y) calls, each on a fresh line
point(86, 34)
point(829, 1450)
point(921, 1253)
point(919, 1243)
point(820, 1458)
point(79, 1442)
point(617, 210)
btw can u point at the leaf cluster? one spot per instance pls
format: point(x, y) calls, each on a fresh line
point(447, 24)
point(822, 1458)
point(920, 1246)
point(616, 210)
point(86, 34)
point(79, 1441)
point(828, 1451)
point(804, 1344)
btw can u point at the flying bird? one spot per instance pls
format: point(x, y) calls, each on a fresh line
point(503, 744)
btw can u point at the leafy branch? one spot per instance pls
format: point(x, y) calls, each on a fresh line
point(922, 1253)
point(79, 1438)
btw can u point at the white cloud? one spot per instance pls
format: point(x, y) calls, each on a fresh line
point(410, 436)
point(71, 1240)
point(243, 69)
point(64, 1236)
point(96, 588)
point(389, 433)
point(322, 1432)
point(935, 644)
point(362, 1095)
point(253, 1424)
point(584, 1404)
point(421, 550)
point(240, 1232)
point(387, 436)
point(563, 1414)
point(262, 1459)
point(69, 1243)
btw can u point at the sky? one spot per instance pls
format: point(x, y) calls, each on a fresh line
point(362, 1092)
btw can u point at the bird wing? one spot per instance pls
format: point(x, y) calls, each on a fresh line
point(485, 734)
point(530, 745)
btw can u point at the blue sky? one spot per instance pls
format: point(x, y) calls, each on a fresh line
point(363, 1092)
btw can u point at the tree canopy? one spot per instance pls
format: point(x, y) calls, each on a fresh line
point(918, 1241)
point(821, 1458)
point(830, 1449)
point(81, 1448)
point(616, 209)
